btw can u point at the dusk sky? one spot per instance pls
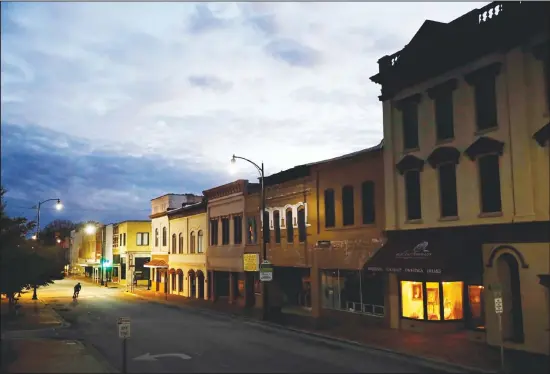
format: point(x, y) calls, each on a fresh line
point(108, 105)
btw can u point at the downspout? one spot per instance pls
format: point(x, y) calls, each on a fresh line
point(511, 141)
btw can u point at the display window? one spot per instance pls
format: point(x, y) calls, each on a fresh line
point(476, 302)
point(442, 300)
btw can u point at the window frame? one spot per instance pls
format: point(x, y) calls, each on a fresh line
point(200, 244)
point(479, 159)
point(164, 236)
point(156, 237)
point(214, 225)
point(277, 225)
point(444, 116)
point(289, 225)
point(226, 231)
point(348, 205)
point(192, 246)
point(368, 215)
point(180, 243)
point(407, 195)
point(443, 191)
point(238, 229)
point(442, 297)
point(174, 244)
point(302, 227)
point(330, 208)
point(409, 120)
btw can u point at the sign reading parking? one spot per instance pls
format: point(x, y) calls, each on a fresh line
point(123, 327)
point(266, 271)
point(498, 305)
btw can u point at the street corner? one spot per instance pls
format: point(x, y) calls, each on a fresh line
point(52, 356)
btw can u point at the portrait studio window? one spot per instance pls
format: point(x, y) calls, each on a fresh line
point(489, 177)
point(277, 226)
point(476, 301)
point(225, 231)
point(347, 206)
point(412, 192)
point(330, 212)
point(443, 300)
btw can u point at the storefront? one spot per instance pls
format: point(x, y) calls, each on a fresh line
point(436, 277)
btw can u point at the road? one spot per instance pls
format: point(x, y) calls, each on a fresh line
point(209, 342)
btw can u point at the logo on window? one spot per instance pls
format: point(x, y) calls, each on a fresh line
point(419, 251)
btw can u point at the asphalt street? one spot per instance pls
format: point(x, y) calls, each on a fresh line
point(170, 339)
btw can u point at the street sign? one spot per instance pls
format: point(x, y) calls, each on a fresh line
point(498, 305)
point(266, 271)
point(251, 262)
point(123, 327)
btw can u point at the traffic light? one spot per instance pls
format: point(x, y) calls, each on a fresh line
point(106, 263)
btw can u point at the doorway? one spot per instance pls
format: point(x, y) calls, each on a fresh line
point(192, 283)
point(512, 316)
point(200, 280)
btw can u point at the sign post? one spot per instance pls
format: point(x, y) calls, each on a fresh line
point(497, 295)
point(123, 333)
point(266, 271)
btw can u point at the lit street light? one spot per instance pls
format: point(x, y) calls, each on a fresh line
point(36, 236)
point(89, 229)
point(264, 247)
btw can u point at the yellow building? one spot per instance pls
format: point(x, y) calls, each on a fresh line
point(89, 252)
point(466, 165)
point(187, 251)
point(133, 245)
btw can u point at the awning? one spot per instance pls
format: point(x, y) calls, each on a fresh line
point(544, 280)
point(427, 252)
point(156, 264)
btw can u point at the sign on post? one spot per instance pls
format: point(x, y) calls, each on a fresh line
point(123, 327)
point(498, 305)
point(251, 262)
point(266, 271)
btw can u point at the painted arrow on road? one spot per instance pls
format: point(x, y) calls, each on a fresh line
point(150, 357)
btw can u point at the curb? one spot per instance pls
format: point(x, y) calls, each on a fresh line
point(424, 361)
point(61, 320)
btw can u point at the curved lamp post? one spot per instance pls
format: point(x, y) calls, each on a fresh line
point(36, 236)
point(264, 247)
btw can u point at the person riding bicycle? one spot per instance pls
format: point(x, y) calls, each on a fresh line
point(77, 288)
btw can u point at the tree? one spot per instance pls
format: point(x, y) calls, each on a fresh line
point(14, 252)
point(24, 264)
point(59, 228)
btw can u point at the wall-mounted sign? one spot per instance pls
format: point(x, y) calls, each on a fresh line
point(251, 262)
point(420, 251)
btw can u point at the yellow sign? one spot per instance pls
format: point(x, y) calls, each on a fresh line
point(251, 262)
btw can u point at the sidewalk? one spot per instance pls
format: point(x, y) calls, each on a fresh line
point(23, 352)
point(454, 349)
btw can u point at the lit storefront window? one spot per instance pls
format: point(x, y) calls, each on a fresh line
point(477, 304)
point(452, 307)
point(432, 302)
point(412, 300)
point(441, 297)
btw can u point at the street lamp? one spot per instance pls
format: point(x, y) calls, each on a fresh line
point(89, 229)
point(36, 236)
point(264, 225)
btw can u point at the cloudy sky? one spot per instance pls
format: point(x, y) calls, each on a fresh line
point(107, 105)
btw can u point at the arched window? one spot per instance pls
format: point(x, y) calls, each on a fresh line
point(156, 237)
point(164, 238)
point(289, 226)
point(180, 243)
point(302, 224)
point(199, 242)
point(192, 243)
point(173, 243)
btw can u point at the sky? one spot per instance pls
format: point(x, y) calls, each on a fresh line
point(108, 105)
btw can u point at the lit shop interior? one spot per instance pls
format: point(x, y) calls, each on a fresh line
point(443, 301)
